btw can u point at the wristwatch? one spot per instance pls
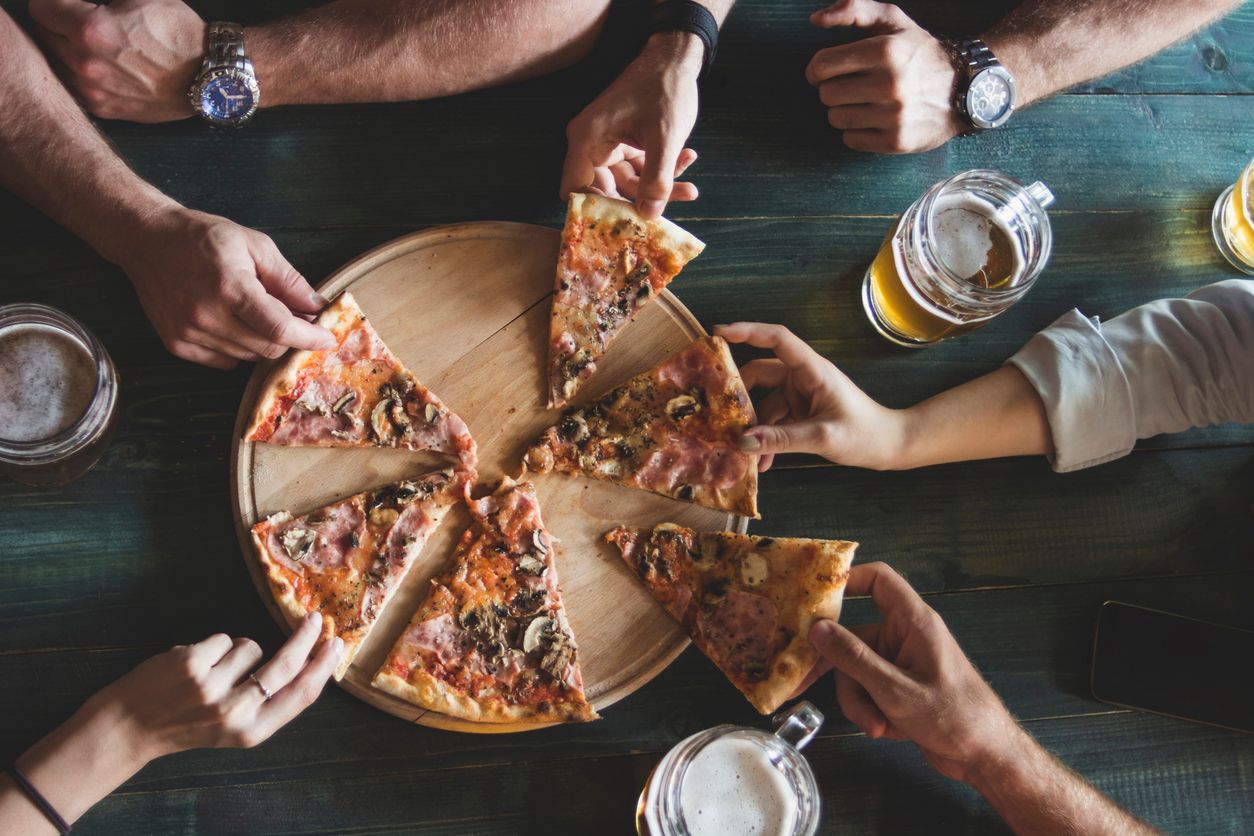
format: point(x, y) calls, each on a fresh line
point(985, 94)
point(225, 93)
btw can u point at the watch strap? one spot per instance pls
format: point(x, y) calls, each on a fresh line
point(687, 16)
point(224, 46)
point(970, 56)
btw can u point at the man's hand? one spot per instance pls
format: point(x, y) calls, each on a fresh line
point(890, 92)
point(218, 293)
point(812, 407)
point(131, 59)
point(906, 678)
point(629, 142)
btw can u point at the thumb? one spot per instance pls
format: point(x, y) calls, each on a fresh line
point(860, 14)
point(855, 658)
point(800, 437)
point(283, 281)
point(657, 179)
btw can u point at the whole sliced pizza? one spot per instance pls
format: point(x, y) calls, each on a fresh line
point(491, 642)
point(346, 560)
point(674, 430)
point(612, 262)
point(747, 602)
point(357, 394)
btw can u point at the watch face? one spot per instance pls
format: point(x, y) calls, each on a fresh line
point(226, 99)
point(991, 98)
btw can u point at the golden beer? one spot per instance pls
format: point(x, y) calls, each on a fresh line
point(964, 252)
point(1233, 222)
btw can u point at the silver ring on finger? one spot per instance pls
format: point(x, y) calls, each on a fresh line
point(265, 692)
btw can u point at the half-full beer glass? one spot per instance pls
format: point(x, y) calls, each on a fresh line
point(1232, 222)
point(965, 251)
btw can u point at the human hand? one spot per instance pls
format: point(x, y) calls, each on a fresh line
point(906, 678)
point(812, 407)
point(199, 695)
point(130, 59)
point(217, 292)
point(629, 142)
point(891, 92)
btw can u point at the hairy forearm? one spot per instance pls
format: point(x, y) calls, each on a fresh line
point(383, 50)
point(1051, 45)
point(54, 158)
point(1035, 793)
point(996, 415)
point(78, 764)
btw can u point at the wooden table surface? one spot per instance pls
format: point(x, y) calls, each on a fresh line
point(140, 554)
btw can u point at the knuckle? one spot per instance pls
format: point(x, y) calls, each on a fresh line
point(90, 32)
point(91, 69)
point(273, 351)
point(278, 331)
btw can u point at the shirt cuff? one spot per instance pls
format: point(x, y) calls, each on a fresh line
point(1085, 391)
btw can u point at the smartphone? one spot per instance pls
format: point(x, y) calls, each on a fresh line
point(1174, 665)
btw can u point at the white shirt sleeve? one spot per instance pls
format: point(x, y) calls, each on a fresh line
point(1159, 368)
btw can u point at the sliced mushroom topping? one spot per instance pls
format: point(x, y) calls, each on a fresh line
point(538, 631)
point(684, 492)
point(573, 428)
point(307, 403)
point(432, 413)
point(558, 657)
point(383, 516)
point(345, 399)
point(396, 412)
point(299, 542)
point(540, 542)
point(529, 602)
point(540, 459)
point(341, 435)
point(753, 569)
point(531, 564)
point(681, 406)
point(379, 420)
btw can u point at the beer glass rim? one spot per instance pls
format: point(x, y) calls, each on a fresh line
point(1011, 193)
point(94, 418)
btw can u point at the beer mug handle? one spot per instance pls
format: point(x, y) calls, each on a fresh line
point(798, 725)
point(1041, 194)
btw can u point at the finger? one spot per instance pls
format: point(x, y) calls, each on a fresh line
point(765, 461)
point(272, 321)
point(846, 59)
point(861, 14)
point(859, 708)
point(686, 158)
point(283, 281)
point(626, 180)
point(853, 657)
point(767, 373)
point(810, 436)
point(888, 589)
point(210, 651)
point(215, 343)
point(203, 356)
point(860, 116)
point(787, 346)
point(61, 16)
point(584, 155)
point(239, 660)
point(289, 660)
point(657, 179)
point(872, 140)
point(774, 408)
point(867, 632)
point(301, 692)
point(859, 88)
point(683, 192)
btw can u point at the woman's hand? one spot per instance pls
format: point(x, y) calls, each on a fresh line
point(812, 407)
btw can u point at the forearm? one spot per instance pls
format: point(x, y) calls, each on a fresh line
point(999, 414)
point(1051, 45)
point(1036, 793)
point(73, 768)
point(381, 50)
point(55, 159)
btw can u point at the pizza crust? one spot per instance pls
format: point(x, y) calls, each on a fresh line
point(424, 690)
point(669, 236)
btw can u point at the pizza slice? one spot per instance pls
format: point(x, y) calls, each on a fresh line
point(674, 430)
point(748, 602)
point(611, 263)
point(346, 560)
point(491, 642)
point(355, 395)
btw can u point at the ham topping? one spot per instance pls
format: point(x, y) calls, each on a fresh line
point(739, 631)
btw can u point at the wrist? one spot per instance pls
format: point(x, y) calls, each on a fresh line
point(265, 46)
point(993, 768)
point(122, 225)
point(676, 49)
point(910, 438)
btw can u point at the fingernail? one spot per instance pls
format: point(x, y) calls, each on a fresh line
point(314, 617)
point(651, 208)
point(337, 646)
point(319, 300)
point(750, 443)
point(822, 630)
point(724, 326)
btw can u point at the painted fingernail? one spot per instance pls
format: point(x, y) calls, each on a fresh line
point(721, 327)
point(319, 300)
point(750, 443)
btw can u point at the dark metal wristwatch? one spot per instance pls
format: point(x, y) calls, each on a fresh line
point(225, 93)
point(985, 95)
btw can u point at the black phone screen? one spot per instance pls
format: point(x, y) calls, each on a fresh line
point(1173, 665)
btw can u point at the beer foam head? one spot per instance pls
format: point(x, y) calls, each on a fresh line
point(47, 381)
point(732, 787)
point(975, 243)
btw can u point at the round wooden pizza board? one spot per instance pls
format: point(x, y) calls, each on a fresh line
point(466, 308)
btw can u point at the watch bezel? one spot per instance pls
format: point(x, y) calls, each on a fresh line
point(235, 73)
point(979, 122)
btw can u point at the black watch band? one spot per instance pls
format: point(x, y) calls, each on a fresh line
point(687, 16)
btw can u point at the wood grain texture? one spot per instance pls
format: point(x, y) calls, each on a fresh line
point(140, 554)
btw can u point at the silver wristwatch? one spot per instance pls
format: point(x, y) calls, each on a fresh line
point(225, 92)
point(985, 95)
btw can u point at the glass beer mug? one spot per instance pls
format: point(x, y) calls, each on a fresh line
point(730, 780)
point(1232, 222)
point(58, 396)
point(965, 251)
